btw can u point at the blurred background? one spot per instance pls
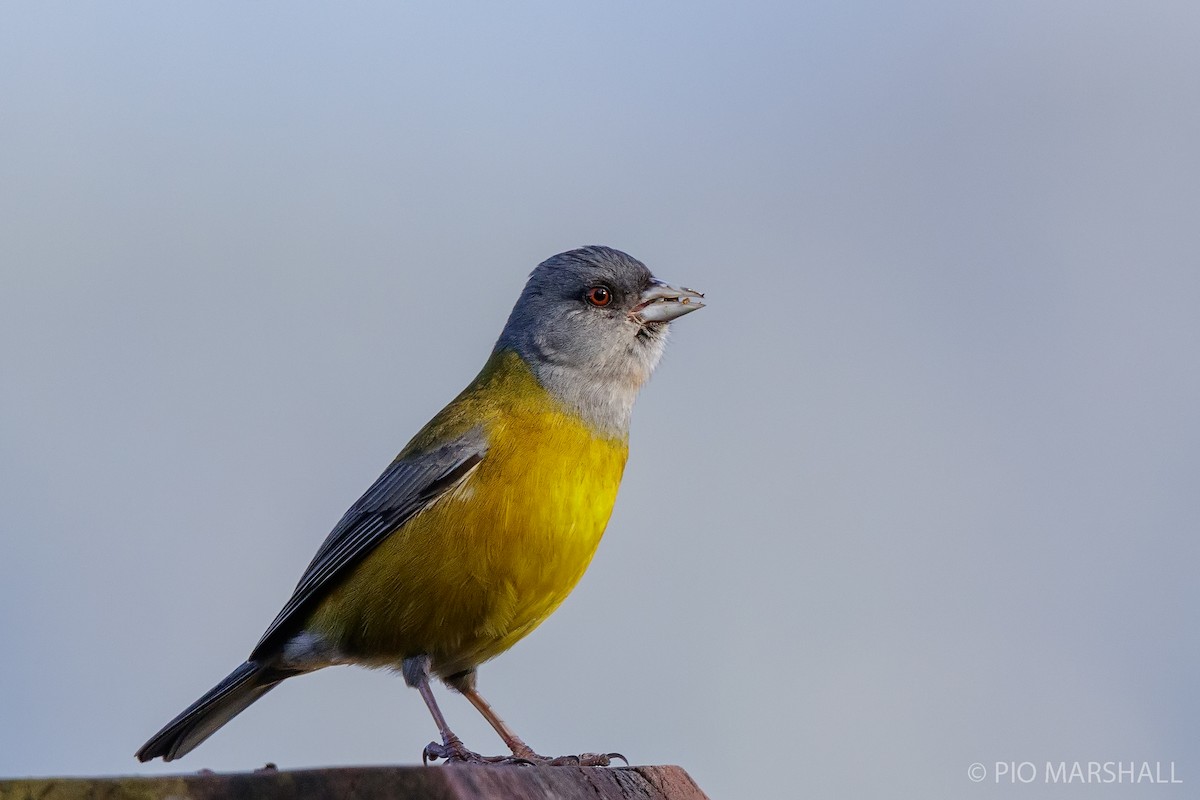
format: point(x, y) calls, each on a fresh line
point(918, 489)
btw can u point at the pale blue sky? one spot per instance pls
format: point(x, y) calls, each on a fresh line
point(918, 489)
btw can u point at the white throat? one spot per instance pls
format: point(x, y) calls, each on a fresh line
point(603, 390)
point(606, 405)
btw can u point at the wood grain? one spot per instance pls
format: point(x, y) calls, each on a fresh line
point(449, 782)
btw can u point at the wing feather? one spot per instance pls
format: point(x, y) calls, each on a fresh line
point(406, 487)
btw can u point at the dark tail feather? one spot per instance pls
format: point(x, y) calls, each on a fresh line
point(202, 718)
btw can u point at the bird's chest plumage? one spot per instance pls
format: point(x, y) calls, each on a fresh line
point(493, 557)
point(532, 516)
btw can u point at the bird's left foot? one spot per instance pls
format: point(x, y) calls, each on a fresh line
point(581, 760)
point(587, 760)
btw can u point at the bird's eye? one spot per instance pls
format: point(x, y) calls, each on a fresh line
point(599, 296)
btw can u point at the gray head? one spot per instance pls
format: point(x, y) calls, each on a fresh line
point(592, 323)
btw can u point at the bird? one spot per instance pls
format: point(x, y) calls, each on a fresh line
point(487, 518)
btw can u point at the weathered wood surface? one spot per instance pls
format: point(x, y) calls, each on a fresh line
point(376, 783)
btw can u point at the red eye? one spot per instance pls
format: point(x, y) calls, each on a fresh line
point(599, 296)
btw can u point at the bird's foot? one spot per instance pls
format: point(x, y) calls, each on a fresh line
point(587, 760)
point(582, 760)
point(455, 752)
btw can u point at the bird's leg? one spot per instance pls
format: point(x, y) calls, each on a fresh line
point(416, 675)
point(465, 683)
point(514, 742)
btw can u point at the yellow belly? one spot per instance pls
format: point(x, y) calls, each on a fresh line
point(469, 576)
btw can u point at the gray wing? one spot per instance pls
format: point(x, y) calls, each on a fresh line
point(405, 488)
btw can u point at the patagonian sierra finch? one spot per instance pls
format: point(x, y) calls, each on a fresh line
point(487, 519)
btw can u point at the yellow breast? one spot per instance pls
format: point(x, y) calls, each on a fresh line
point(489, 560)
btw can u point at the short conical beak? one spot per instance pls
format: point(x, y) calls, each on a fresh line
point(663, 303)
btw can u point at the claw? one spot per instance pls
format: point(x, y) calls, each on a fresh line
point(432, 752)
point(452, 750)
point(598, 759)
point(584, 760)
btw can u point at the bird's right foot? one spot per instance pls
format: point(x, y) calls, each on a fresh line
point(581, 760)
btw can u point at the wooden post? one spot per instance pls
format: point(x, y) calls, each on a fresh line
point(449, 782)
